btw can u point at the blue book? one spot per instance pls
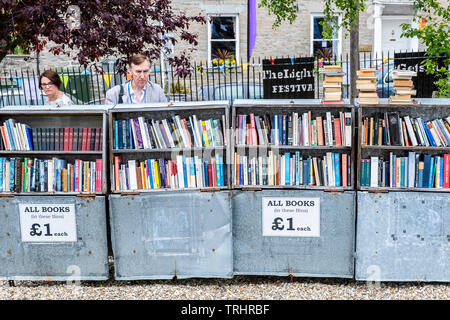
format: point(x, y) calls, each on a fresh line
point(116, 134)
point(402, 172)
point(431, 178)
point(363, 173)
point(429, 135)
point(11, 136)
point(12, 180)
point(426, 170)
point(297, 168)
point(276, 132)
point(440, 166)
point(58, 174)
point(284, 130)
point(280, 126)
point(29, 136)
point(337, 169)
point(394, 171)
point(205, 173)
point(241, 174)
point(129, 136)
point(305, 172)
point(420, 175)
point(185, 177)
point(386, 174)
point(192, 167)
point(221, 181)
point(218, 170)
point(287, 168)
point(150, 174)
point(120, 135)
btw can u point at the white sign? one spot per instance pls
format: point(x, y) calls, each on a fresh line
point(48, 222)
point(291, 217)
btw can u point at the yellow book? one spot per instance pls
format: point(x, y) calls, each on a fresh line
point(371, 132)
point(144, 180)
point(205, 134)
point(157, 175)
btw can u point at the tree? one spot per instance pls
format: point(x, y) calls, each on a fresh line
point(95, 29)
point(435, 35)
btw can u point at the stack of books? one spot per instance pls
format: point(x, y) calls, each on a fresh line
point(403, 87)
point(332, 84)
point(367, 86)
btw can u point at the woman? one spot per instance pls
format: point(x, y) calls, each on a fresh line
point(50, 82)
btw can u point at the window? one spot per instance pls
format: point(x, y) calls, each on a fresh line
point(320, 47)
point(223, 38)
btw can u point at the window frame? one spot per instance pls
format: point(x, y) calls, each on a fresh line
point(235, 16)
point(312, 40)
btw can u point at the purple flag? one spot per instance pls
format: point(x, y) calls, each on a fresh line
point(252, 26)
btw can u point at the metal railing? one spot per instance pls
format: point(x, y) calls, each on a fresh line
point(206, 81)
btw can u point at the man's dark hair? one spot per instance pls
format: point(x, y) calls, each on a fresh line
point(52, 76)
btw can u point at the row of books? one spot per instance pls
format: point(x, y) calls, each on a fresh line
point(184, 172)
point(295, 129)
point(50, 175)
point(142, 133)
point(412, 171)
point(21, 137)
point(391, 129)
point(293, 169)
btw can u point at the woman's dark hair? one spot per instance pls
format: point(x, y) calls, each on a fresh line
point(52, 76)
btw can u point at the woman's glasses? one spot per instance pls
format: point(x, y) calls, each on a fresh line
point(47, 85)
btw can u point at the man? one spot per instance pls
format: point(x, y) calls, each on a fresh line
point(139, 89)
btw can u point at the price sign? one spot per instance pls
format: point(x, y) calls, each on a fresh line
point(48, 222)
point(291, 217)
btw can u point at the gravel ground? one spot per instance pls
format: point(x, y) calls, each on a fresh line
point(237, 288)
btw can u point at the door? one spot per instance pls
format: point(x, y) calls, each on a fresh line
point(391, 40)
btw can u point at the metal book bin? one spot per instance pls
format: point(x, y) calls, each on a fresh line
point(83, 254)
point(403, 234)
point(257, 250)
point(172, 233)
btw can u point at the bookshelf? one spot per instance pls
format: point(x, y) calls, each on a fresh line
point(47, 149)
point(166, 136)
point(411, 154)
point(245, 150)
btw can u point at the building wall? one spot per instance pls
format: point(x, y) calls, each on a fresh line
point(286, 40)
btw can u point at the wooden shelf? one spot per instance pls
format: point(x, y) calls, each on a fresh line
point(4, 152)
point(166, 150)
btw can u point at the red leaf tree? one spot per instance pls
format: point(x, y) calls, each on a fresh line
point(96, 29)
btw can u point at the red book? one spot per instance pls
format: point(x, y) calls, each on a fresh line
point(210, 177)
point(116, 173)
point(446, 183)
point(84, 140)
point(70, 140)
point(88, 139)
point(98, 175)
point(66, 139)
point(337, 131)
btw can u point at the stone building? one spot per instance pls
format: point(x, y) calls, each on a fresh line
point(379, 31)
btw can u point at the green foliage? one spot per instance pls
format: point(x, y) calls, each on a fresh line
point(436, 36)
point(349, 9)
point(282, 9)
